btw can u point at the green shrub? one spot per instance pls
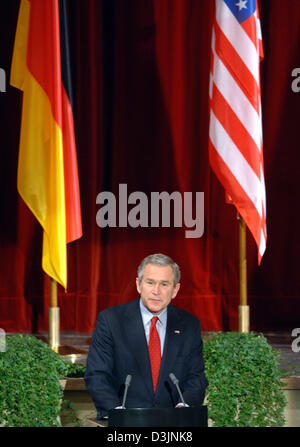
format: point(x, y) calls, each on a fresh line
point(244, 381)
point(75, 370)
point(30, 393)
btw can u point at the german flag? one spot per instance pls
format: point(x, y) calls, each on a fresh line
point(47, 165)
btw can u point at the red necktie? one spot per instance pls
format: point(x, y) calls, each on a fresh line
point(154, 351)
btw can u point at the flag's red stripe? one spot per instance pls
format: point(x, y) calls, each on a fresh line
point(236, 130)
point(239, 197)
point(249, 27)
point(72, 193)
point(44, 45)
point(235, 65)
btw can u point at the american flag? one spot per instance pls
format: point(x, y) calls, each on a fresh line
point(235, 133)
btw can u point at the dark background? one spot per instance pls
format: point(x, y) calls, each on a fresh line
point(140, 79)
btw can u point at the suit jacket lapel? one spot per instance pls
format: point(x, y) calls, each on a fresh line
point(137, 342)
point(172, 343)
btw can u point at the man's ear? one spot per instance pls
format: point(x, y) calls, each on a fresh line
point(176, 289)
point(138, 285)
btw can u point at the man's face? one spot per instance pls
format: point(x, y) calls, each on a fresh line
point(157, 287)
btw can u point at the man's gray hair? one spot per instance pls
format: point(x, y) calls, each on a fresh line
point(162, 261)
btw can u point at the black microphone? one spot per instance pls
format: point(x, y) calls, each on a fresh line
point(176, 381)
point(127, 383)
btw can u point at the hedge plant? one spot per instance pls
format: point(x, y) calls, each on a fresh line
point(244, 381)
point(30, 392)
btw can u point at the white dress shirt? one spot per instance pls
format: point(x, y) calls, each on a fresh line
point(161, 324)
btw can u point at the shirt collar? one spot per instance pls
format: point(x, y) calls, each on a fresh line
point(147, 315)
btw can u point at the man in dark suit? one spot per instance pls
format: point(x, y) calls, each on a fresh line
point(147, 338)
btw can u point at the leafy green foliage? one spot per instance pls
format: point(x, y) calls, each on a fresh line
point(30, 393)
point(244, 381)
point(75, 370)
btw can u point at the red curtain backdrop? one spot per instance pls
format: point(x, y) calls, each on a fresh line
point(140, 77)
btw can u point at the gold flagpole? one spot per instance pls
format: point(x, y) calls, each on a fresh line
point(67, 352)
point(244, 310)
point(54, 317)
